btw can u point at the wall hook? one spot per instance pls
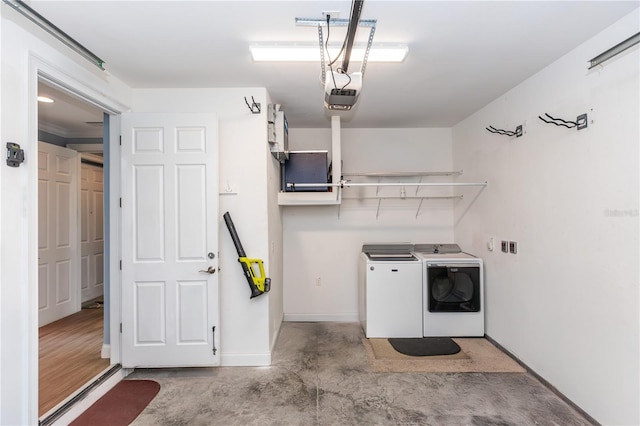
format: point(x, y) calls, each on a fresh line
point(517, 133)
point(579, 124)
point(254, 107)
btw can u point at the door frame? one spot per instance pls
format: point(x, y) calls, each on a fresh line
point(41, 70)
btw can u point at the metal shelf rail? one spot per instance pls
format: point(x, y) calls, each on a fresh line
point(347, 184)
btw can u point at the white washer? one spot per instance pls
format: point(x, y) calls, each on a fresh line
point(390, 291)
point(453, 291)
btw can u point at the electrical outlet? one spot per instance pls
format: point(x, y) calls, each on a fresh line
point(513, 247)
point(335, 14)
point(504, 246)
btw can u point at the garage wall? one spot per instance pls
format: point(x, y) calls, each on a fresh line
point(246, 176)
point(322, 243)
point(567, 303)
point(25, 49)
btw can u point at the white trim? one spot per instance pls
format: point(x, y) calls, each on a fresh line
point(38, 68)
point(106, 351)
point(245, 360)
point(348, 317)
point(114, 239)
point(62, 81)
point(31, 207)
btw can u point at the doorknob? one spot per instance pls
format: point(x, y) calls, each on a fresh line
point(210, 270)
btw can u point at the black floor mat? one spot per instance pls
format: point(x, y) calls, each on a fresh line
point(425, 346)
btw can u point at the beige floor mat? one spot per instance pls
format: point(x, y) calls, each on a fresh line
point(476, 355)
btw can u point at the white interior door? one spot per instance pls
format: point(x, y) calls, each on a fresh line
point(58, 241)
point(170, 239)
point(91, 231)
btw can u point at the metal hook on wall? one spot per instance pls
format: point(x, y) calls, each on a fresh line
point(254, 107)
point(517, 133)
point(579, 124)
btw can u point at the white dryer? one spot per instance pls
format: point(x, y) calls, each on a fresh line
point(453, 291)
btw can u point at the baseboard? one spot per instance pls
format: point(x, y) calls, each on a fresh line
point(544, 382)
point(245, 360)
point(350, 317)
point(105, 353)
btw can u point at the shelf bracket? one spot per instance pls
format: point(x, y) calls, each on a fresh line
point(419, 207)
point(418, 186)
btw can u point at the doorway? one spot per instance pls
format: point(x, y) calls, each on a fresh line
point(71, 195)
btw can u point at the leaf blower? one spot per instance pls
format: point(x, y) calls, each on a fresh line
point(257, 283)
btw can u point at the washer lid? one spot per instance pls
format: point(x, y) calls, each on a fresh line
point(401, 252)
point(389, 248)
point(391, 257)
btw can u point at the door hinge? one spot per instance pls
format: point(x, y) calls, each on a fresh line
point(120, 202)
point(120, 327)
point(121, 265)
point(120, 140)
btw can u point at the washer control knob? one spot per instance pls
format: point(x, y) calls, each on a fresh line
point(371, 268)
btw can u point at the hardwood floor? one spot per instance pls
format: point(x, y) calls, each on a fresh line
point(69, 356)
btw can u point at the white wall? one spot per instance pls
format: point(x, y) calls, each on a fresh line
point(275, 239)
point(567, 303)
point(247, 326)
point(323, 242)
point(24, 51)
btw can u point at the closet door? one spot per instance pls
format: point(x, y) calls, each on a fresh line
point(91, 231)
point(58, 240)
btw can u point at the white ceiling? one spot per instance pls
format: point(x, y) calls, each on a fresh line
point(462, 54)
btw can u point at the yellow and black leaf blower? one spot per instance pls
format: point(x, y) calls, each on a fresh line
point(257, 283)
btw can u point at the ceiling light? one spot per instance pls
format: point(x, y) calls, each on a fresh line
point(45, 100)
point(311, 52)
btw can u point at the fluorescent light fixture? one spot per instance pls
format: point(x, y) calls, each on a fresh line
point(296, 52)
point(45, 100)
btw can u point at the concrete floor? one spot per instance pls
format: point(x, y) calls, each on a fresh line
point(319, 376)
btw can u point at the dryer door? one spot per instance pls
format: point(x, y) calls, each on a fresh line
point(453, 288)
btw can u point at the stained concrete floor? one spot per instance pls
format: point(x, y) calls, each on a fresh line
point(319, 376)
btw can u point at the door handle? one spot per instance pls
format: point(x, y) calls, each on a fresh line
point(210, 270)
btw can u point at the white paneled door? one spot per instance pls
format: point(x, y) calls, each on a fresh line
point(58, 255)
point(170, 300)
point(91, 231)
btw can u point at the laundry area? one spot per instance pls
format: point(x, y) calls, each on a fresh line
point(437, 291)
point(440, 196)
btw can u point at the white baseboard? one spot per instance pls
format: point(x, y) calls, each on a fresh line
point(245, 360)
point(350, 317)
point(106, 351)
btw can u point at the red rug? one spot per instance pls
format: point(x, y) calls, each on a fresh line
point(121, 405)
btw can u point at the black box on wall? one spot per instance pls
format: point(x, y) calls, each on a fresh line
point(305, 167)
